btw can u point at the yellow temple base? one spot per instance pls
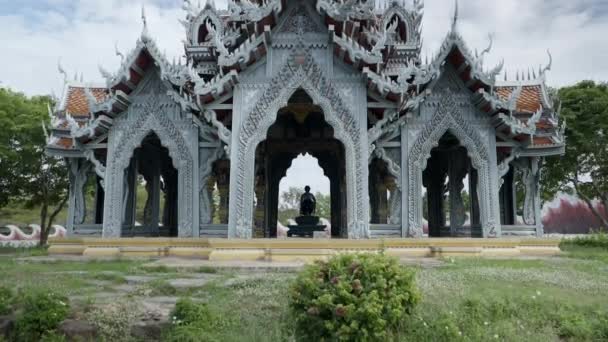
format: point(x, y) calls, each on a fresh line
point(306, 250)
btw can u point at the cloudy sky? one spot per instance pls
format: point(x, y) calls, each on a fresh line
point(35, 34)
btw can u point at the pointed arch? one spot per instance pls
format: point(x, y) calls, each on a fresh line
point(300, 71)
point(449, 118)
point(151, 119)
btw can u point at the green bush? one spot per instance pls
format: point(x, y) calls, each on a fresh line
point(598, 239)
point(194, 322)
point(187, 312)
point(41, 314)
point(352, 297)
point(6, 300)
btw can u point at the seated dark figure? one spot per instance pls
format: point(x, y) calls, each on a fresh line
point(308, 203)
point(307, 223)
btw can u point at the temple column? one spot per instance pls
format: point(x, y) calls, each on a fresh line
point(154, 196)
point(457, 169)
point(474, 196)
point(532, 205)
point(130, 194)
point(223, 186)
point(99, 201)
point(507, 199)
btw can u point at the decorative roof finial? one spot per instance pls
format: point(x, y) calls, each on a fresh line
point(143, 16)
point(62, 71)
point(548, 67)
point(455, 19)
point(145, 36)
point(118, 53)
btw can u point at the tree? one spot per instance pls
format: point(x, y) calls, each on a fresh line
point(583, 170)
point(27, 173)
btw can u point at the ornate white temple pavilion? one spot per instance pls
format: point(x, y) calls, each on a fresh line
point(411, 146)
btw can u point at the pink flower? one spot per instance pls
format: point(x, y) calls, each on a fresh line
point(340, 311)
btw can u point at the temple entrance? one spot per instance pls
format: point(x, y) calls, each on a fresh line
point(304, 171)
point(451, 205)
point(150, 195)
point(300, 128)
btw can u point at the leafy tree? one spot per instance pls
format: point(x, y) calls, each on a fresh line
point(27, 174)
point(583, 170)
point(289, 206)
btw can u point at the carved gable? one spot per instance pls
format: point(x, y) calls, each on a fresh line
point(301, 20)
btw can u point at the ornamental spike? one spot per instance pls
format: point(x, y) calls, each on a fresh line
point(48, 108)
point(45, 132)
point(62, 71)
point(118, 53)
point(489, 48)
point(548, 67)
point(455, 19)
point(143, 16)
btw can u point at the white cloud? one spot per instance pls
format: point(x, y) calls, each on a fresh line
point(305, 170)
point(83, 33)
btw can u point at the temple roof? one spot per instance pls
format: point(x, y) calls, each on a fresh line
point(382, 43)
point(76, 102)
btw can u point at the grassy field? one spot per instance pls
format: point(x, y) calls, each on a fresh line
point(463, 299)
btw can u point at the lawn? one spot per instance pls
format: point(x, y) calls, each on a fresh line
point(467, 299)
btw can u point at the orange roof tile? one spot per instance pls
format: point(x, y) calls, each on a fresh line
point(542, 141)
point(529, 100)
point(76, 102)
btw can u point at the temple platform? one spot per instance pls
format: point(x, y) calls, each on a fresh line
point(300, 249)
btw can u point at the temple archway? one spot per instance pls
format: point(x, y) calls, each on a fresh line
point(452, 205)
point(148, 118)
point(300, 128)
point(300, 72)
point(448, 119)
point(150, 198)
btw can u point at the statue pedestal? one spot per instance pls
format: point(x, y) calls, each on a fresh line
point(304, 231)
point(306, 227)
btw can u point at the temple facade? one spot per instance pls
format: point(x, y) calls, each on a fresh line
point(412, 146)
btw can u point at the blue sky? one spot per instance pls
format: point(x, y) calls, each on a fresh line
point(35, 34)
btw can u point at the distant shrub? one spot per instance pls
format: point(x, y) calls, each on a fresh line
point(187, 312)
point(194, 322)
point(352, 297)
point(597, 239)
point(41, 314)
point(6, 300)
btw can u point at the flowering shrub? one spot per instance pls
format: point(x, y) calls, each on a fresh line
point(113, 321)
point(194, 322)
point(352, 297)
point(42, 312)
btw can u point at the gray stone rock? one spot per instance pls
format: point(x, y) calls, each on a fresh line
point(149, 330)
point(137, 279)
point(7, 324)
point(182, 283)
point(75, 330)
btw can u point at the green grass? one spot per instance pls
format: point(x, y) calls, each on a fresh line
point(23, 251)
point(21, 216)
point(465, 299)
